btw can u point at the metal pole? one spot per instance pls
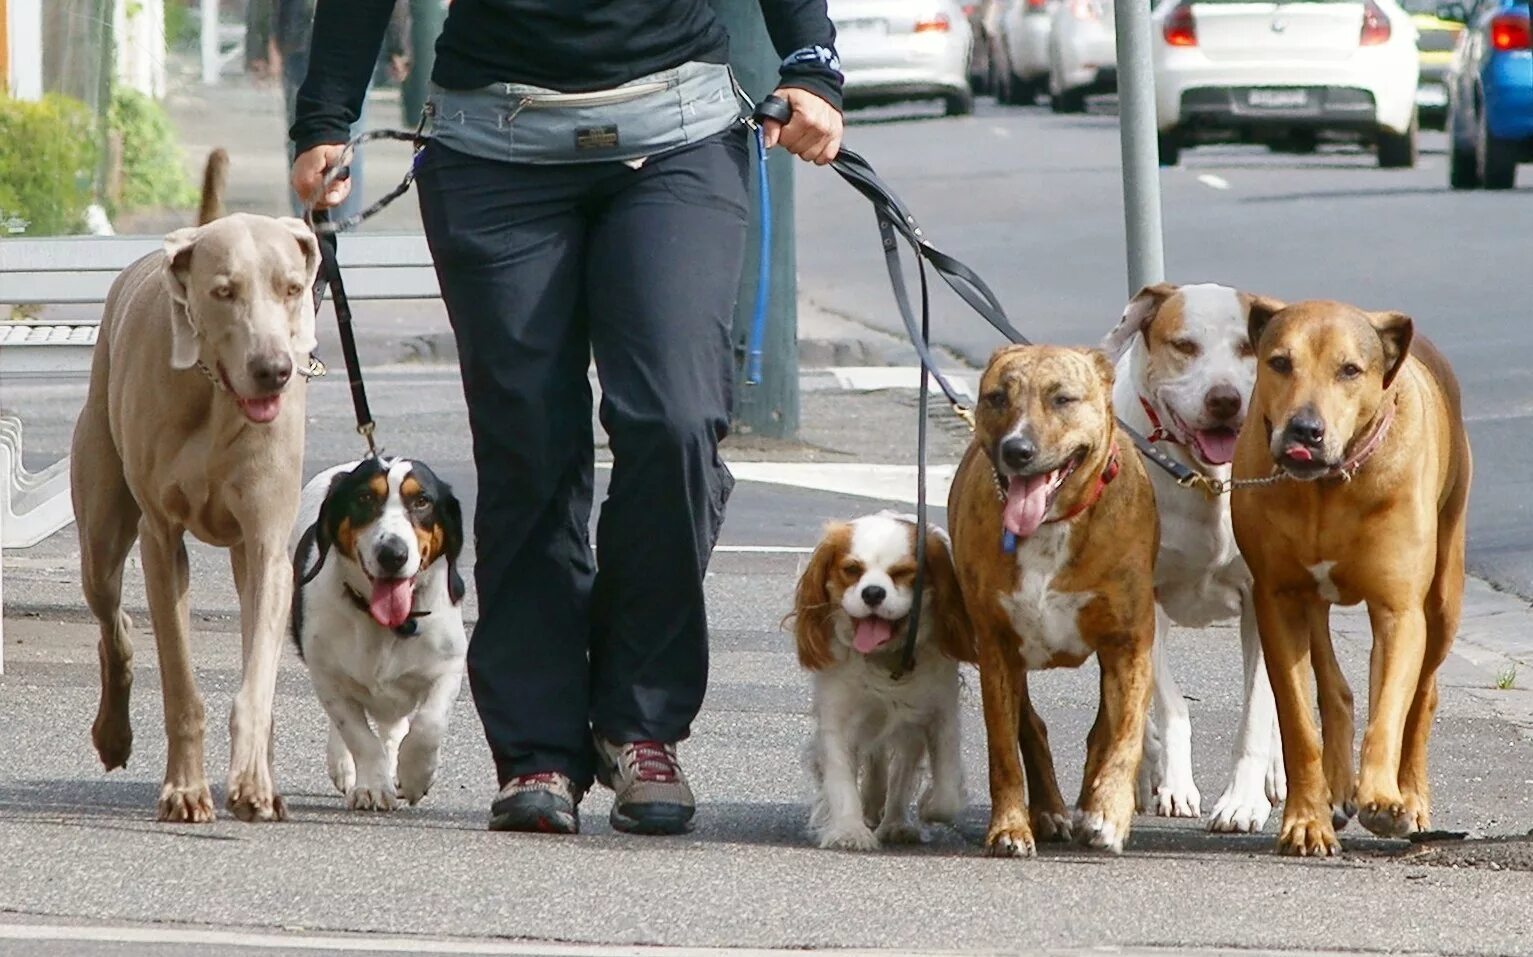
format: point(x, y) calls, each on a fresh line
point(769, 408)
point(209, 38)
point(426, 19)
point(1137, 134)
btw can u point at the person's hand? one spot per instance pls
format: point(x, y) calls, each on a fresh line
point(309, 174)
point(399, 67)
point(814, 130)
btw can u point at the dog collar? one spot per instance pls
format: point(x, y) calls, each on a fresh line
point(1109, 472)
point(1369, 445)
point(1158, 432)
point(410, 627)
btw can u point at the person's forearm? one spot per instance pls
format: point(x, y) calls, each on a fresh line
point(347, 37)
point(805, 38)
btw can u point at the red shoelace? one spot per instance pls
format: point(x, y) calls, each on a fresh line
point(653, 761)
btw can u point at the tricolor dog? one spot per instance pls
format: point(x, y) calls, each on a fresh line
point(378, 620)
point(1054, 536)
point(1356, 428)
point(851, 615)
point(1184, 376)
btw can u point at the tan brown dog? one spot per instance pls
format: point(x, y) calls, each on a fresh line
point(1056, 566)
point(1363, 422)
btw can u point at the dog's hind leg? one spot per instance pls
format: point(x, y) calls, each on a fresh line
point(873, 782)
point(422, 747)
point(263, 575)
point(106, 517)
point(904, 750)
point(944, 799)
point(1051, 820)
point(1337, 723)
point(185, 796)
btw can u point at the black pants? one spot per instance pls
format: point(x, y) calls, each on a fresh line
point(541, 267)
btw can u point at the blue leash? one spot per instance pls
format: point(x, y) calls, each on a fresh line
point(764, 265)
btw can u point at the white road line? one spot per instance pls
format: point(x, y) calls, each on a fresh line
point(764, 549)
point(1213, 182)
point(883, 483)
point(873, 378)
point(1000, 131)
point(375, 944)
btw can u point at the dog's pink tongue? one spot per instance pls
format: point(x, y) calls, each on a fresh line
point(391, 601)
point(1027, 501)
point(261, 410)
point(872, 633)
point(1298, 453)
point(1217, 446)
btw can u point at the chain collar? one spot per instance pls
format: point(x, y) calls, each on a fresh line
point(312, 370)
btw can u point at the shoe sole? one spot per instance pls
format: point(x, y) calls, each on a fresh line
point(540, 815)
point(652, 819)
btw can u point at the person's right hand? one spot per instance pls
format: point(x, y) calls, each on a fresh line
point(309, 174)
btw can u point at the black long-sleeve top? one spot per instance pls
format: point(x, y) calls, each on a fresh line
point(571, 46)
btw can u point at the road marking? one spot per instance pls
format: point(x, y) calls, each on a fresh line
point(1001, 131)
point(873, 378)
point(1213, 182)
point(378, 944)
point(764, 549)
point(881, 483)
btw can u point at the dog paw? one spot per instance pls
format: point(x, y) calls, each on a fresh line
point(1093, 829)
point(1240, 812)
point(415, 777)
point(191, 804)
point(850, 837)
point(1053, 827)
point(1277, 781)
point(113, 741)
point(343, 771)
point(253, 804)
point(1342, 814)
point(1010, 842)
point(1386, 818)
point(374, 798)
point(1307, 835)
point(898, 832)
point(1180, 799)
point(940, 807)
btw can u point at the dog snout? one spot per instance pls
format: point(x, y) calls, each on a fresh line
point(270, 373)
point(1018, 451)
point(874, 595)
point(1305, 428)
point(391, 554)
point(1222, 402)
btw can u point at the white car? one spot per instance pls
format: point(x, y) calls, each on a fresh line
point(1285, 74)
point(1024, 33)
point(1083, 53)
point(898, 50)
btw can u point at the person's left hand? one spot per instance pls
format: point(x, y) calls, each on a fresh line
point(399, 67)
point(813, 131)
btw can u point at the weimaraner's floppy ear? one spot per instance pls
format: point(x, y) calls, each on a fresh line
point(1136, 318)
point(184, 347)
point(305, 339)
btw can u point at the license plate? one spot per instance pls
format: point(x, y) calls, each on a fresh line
point(1278, 99)
point(1431, 94)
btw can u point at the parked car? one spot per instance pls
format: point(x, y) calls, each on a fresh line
point(1285, 74)
point(1435, 41)
point(899, 50)
point(1023, 63)
point(1490, 95)
point(1083, 53)
point(980, 42)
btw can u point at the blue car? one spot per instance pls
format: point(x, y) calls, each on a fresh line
point(1490, 94)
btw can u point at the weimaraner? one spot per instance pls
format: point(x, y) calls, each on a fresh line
point(194, 422)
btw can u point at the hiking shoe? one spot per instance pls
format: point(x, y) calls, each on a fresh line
point(652, 793)
point(545, 802)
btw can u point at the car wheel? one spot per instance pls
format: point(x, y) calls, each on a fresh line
point(1170, 145)
point(1069, 101)
point(1496, 158)
point(1020, 92)
point(960, 104)
point(1398, 150)
point(1463, 166)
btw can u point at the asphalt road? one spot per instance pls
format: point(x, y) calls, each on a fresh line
point(1033, 202)
point(87, 871)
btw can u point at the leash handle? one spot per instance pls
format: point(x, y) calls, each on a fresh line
point(773, 107)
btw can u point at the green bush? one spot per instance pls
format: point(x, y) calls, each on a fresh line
point(152, 173)
point(48, 155)
point(180, 29)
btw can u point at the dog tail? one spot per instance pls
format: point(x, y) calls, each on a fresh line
point(214, 176)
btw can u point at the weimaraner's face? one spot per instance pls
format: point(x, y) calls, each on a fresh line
point(242, 291)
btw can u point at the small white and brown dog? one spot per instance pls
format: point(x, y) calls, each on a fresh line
point(1185, 370)
point(850, 622)
point(378, 620)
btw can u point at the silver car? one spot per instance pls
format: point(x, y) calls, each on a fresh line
point(899, 50)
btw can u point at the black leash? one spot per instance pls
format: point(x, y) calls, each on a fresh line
point(896, 222)
point(330, 276)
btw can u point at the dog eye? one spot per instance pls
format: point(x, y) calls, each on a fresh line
point(1187, 348)
point(1282, 365)
point(293, 289)
point(851, 568)
point(420, 503)
point(223, 292)
point(1063, 399)
point(1351, 370)
point(996, 400)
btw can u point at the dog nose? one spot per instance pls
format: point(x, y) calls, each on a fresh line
point(392, 553)
point(873, 595)
point(1222, 402)
point(271, 373)
point(1305, 428)
point(1018, 452)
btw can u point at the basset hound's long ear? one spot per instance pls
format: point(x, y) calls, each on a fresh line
point(451, 517)
point(813, 607)
point(320, 536)
point(950, 618)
